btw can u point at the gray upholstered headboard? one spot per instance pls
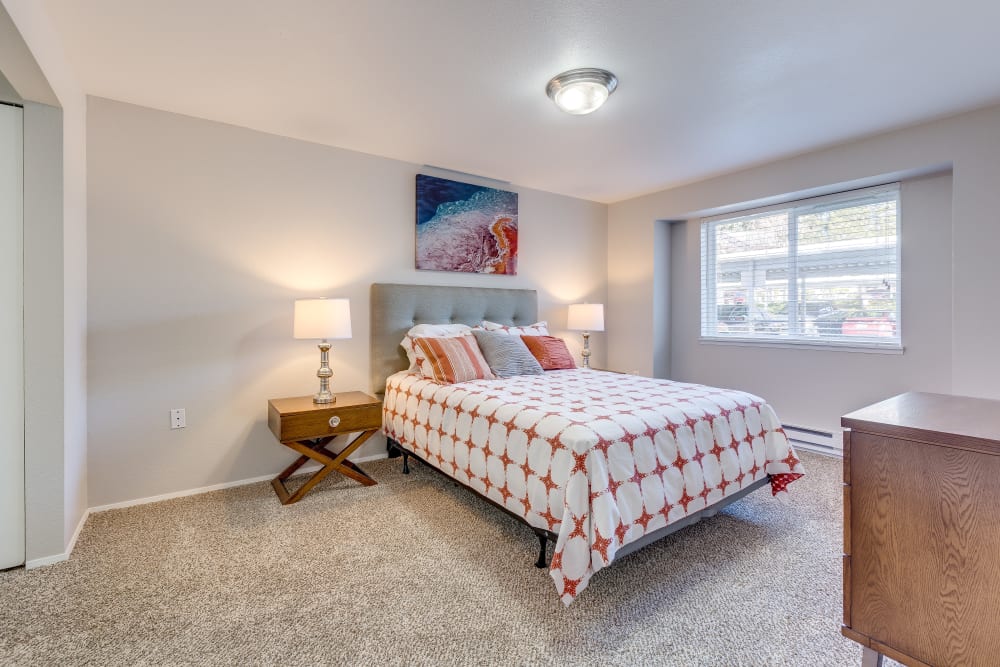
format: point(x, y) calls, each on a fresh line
point(396, 308)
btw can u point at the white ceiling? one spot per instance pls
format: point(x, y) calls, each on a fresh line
point(705, 86)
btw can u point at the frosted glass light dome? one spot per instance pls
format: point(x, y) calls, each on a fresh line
point(581, 91)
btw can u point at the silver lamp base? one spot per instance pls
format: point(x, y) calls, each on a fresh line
point(586, 349)
point(324, 395)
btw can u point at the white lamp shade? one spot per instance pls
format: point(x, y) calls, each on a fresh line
point(586, 317)
point(323, 318)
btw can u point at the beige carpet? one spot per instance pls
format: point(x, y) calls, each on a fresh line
point(416, 570)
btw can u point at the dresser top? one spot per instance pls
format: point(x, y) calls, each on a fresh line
point(954, 420)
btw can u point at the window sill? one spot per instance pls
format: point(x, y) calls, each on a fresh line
point(804, 345)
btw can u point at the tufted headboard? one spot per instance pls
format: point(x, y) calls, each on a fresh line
point(396, 308)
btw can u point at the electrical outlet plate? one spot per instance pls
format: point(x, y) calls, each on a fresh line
point(177, 418)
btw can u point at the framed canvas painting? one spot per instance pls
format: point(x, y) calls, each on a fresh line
point(465, 227)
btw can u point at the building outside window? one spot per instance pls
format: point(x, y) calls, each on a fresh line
point(815, 272)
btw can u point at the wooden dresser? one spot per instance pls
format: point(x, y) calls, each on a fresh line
point(922, 530)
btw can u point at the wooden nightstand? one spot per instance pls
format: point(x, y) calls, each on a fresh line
point(308, 428)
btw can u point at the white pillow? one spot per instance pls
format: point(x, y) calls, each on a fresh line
point(536, 329)
point(429, 331)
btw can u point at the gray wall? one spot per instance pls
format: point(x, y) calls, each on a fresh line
point(7, 92)
point(201, 235)
point(43, 331)
point(950, 231)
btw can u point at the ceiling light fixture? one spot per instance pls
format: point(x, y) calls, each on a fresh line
point(583, 90)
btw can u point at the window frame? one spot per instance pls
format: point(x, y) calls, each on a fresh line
point(708, 301)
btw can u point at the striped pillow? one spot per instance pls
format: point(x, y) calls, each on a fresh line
point(550, 351)
point(417, 360)
point(507, 355)
point(455, 359)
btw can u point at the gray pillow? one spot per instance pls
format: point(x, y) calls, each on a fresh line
point(507, 355)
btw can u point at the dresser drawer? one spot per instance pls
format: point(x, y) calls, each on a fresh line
point(321, 421)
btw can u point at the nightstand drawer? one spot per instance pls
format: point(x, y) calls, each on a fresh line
point(352, 412)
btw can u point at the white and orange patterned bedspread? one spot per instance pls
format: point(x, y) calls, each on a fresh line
point(599, 458)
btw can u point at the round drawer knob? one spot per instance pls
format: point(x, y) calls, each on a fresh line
point(334, 421)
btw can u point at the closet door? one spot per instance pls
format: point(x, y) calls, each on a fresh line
point(11, 340)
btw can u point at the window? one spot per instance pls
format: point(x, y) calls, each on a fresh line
point(822, 272)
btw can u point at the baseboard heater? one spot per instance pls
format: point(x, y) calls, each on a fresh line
point(822, 442)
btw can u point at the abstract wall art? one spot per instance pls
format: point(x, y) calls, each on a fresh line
point(465, 227)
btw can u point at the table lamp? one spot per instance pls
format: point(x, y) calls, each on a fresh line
point(323, 319)
point(586, 317)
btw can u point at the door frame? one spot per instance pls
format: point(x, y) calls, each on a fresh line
point(12, 457)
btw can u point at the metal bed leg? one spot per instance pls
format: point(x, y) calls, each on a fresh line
point(392, 448)
point(395, 451)
point(543, 542)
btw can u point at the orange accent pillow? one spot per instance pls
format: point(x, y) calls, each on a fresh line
point(550, 351)
point(455, 359)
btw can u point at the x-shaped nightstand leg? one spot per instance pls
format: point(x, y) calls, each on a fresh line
point(316, 450)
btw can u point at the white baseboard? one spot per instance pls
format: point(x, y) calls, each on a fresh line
point(58, 558)
point(76, 533)
point(832, 452)
point(45, 560)
point(189, 492)
point(214, 487)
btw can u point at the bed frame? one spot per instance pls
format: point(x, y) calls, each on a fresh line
point(396, 308)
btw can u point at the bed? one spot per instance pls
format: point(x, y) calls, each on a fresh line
point(602, 463)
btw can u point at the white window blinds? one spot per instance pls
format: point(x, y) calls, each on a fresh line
point(821, 271)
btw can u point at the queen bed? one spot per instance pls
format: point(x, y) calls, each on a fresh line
point(602, 463)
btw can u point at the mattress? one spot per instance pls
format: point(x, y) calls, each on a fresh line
point(600, 459)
